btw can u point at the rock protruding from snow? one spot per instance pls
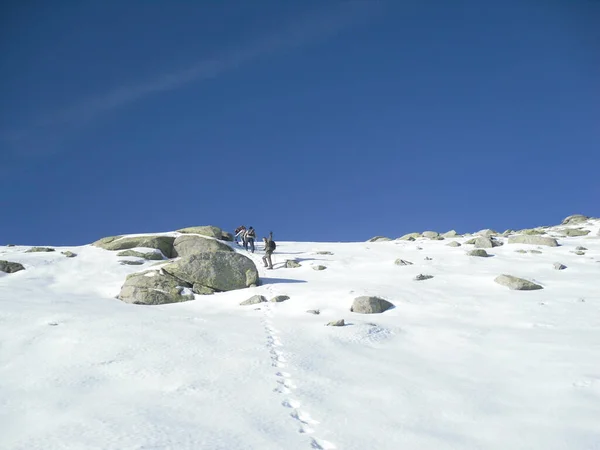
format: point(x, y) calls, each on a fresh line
point(559, 266)
point(515, 283)
point(69, 254)
point(453, 244)
point(221, 271)
point(487, 232)
point(479, 252)
point(370, 305)
point(575, 218)
point(319, 267)
point(40, 250)
point(154, 287)
point(531, 231)
point(152, 256)
point(189, 244)
point(423, 277)
point(533, 240)
point(314, 311)
point(450, 234)
point(202, 290)
point(379, 239)
point(402, 262)
point(574, 232)
point(206, 230)
point(126, 262)
point(324, 252)
point(162, 243)
point(292, 264)
point(254, 300)
point(279, 298)
point(337, 323)
point(430, 234)
point(10, 267)
point(409, 237)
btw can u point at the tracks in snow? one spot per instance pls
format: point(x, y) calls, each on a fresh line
point(286, 384)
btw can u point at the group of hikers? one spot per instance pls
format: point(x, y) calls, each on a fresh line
point(246, 237)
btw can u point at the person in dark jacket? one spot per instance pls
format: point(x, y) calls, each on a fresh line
point(269, 248)
point(250, 236)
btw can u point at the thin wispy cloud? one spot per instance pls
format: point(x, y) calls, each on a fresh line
point(314, 28)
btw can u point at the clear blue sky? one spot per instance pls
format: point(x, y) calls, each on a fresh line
point(319, 120)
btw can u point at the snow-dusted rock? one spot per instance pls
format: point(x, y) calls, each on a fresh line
point(279, 298)
point(69, 254)
point(207, 230)
point(453, 244)
point(559, 266)
point(337, 323)
point(402, 262)
point(292, 264)
point(127, 262)
point(202, 290)
point(487, 232)
point(370, 305)
point(430, 234)
point(254, 300)
point(40, 250)
point(189, 244)
point(319, 267)
point(162, 243)
point(479, 252)
point(10, 267)
point(574, 232)
point(221, 271)
point(516, 283)
point(575, 218)
point(449, 234)
point(409, 237)
point(422, 277)
point(154, 287)
point(379, 239)
point(533, 240)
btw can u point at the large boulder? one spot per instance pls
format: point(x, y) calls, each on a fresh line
point(10, 267)
point(40, 250)
point(575, 218)
point(370, 305)
point(516, 283)
point(409, 237)
point(487, 242)
point(479, 252)
point(574, 232)
point(226, 236)
point(220, 271)
point(531, 231)
point(189, 244)
point(533, 240)
point(487, 232)
point(379, 239)
point(430, 234)
point(451, 233)
point(208, 230)
point(154, 287)
point(162, 243)
point(453, 244)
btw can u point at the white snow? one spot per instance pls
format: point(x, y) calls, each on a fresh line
point(460, 362)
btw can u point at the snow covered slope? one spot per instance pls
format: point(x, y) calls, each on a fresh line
point(461, 362)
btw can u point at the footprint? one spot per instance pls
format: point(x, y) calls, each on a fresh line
point(303, 417)
point(283, 374)
point(282, 390)
point(287, 383)
point(278, 364)
point(290, 403)
point(304, 429)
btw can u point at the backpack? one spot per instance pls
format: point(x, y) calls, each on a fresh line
point(272, 245)
point(251, 233)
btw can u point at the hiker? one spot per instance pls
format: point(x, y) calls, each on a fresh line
point(250, 235)
point(239, 233)
point(269, 249)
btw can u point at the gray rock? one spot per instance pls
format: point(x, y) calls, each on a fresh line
point(202, 290)
point(153, 287)
point(422, 277)
point(521, 251)
point(483, 242)
point(207, 230)
point(449, 234)
point(559, 266)
point(531, 231)
point(575, 218)
point(487, 232)
point(379, 239)
point(370, 305)
point(291, 264)
point(535, 252)
point(409, 237)
point(162, 243)
point(508, 232)
point(10, 267)
point(225, 236)
point(579, 253)
point(190, 244)
point(533, 240)
point(453, 244)
point(471, 241)
point(126, 262)
point(579, 247)
point(69, 254)
point(427, 258)
point(314, 311)
point(479, 252)
point(430, 234)
point(402, 262)
point(10, 245)
point(221, 271)
point(573, 232)
point(40, 250)
point(254, 300)
point(153, 256)
point(319, 267)
point(279, 298)
point(516, 283)
point(323, 252)
point(419, 248)
point(337, 323)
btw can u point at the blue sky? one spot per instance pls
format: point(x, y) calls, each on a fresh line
point(317, 120)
